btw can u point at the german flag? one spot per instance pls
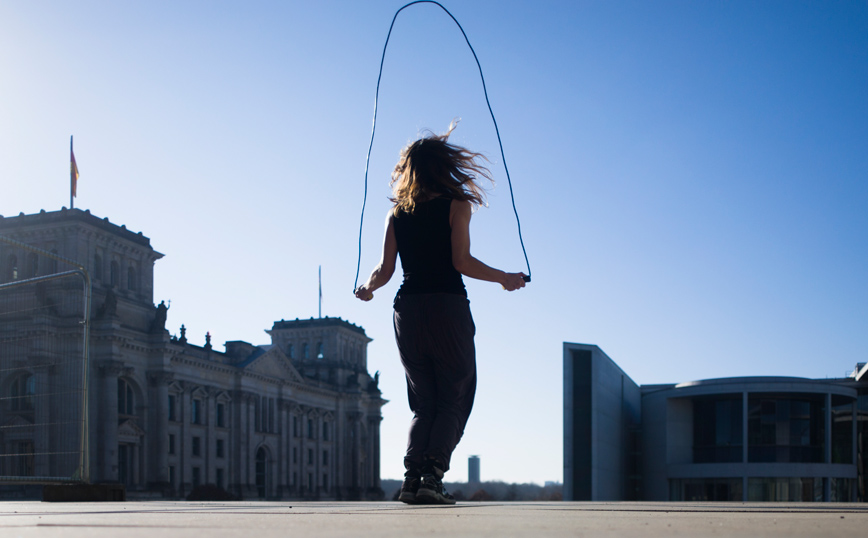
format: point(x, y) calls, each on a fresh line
point(73, 169)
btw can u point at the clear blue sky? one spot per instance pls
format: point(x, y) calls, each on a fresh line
point(692, 177)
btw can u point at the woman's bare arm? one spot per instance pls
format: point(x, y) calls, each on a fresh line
point(464, 262)
point(383, 272)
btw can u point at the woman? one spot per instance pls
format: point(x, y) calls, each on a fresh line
point(436, 188)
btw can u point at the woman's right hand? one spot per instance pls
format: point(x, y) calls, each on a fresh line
point(512, 281)
point(363, 293)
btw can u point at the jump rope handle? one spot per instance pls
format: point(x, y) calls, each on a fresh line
point(526, 278)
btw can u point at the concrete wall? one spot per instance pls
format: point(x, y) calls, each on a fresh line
point(601, 405)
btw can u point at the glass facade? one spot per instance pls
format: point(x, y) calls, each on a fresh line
point(786, 428)
point(842, 429)
point(862, 445)
point(785, 489)
point(705, 489)
point(717, 429)
point(841, 489)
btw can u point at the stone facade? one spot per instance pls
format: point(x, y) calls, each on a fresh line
point(296, 419)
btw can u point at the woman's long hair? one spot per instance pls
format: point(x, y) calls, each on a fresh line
point(432, 167)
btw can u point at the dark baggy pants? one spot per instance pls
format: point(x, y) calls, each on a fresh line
point(434, 332)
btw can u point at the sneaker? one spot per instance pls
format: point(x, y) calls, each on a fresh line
point(431, 491)
point(409, 489)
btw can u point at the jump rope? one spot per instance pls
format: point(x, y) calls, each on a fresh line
point(374, 130)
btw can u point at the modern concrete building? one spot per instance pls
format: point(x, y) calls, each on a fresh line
point(296, 418)
point(733, 439)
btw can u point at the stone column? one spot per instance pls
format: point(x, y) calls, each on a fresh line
point(355, 420)
point(317, 457)
point(108, 422)
point(158, 436)
point(282, 482)
point(42, 423)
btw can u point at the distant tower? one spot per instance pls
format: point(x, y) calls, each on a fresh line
point(473, 469)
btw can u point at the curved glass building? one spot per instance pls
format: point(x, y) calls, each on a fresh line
point(732, 439)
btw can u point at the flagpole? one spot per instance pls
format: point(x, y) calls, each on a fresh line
point(320, 291)
point(71, 176)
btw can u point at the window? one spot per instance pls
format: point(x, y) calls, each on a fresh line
point(131, 279)
point(197, 446)
point(97, 267)
point(32, 266)
point(325, 481)
point(705, 489)
point(310, 428)
point(219, 478)
point(172, 475)
point(789, 489)
point(310, 456)
point(786, 428)
point(294, 455)
point(319, 353)
point(305, 351)
point(717, 429)
point(219, 448)
point(171, 443)
point(221, 415)
point(52, 263)
point(257, 413)
point(295, 426)
point(325, 457)
point(172, 414)
point(271, 427)
point(125, 398)
point(325, 431)
point(114, 273)
point(842, 429)
point(197, 476)
point(23, 390)
point(196, 414)
point(12, 267)
point(23, 463)
point(290, 351)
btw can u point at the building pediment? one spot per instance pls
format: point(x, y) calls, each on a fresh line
point(272, 362)
point(129, 431)
point(17, 421)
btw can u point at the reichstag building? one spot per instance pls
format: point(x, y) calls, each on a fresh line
point(296, 419)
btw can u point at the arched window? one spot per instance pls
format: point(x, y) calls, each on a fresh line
point(131, 279)
point(319, 353)
point(290, 351)
point(11, 268)
point(97, 267)
point(23, 391)
point(32, 265)
point(305, 351)
point(114, 271)
point(126, 402)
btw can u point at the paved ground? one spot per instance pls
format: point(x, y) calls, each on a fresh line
point(388, 519)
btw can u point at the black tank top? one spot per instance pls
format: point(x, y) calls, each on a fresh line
point(425, 245)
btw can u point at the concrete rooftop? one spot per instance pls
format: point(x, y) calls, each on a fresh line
point(32, 519)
